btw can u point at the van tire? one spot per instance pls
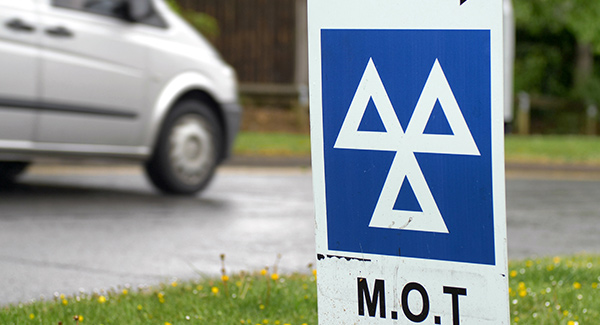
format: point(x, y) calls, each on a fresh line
point(187, 150)
point(10, 170)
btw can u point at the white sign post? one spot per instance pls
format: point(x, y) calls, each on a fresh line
point(406, 103)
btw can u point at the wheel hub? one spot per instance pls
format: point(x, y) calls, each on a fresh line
point(192, 149)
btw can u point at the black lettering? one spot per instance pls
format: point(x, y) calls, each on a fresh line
point(455, 292)
point(371, 301)
point(424, 312)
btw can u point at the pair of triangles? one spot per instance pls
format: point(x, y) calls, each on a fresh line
point(437, 124)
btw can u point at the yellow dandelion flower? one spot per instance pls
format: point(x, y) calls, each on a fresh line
point(566, 313)
point(577, 285)
point(214, 290)
point(550, 267)
point(571, 322)
point(224, 278)
point(513, 273)
point(277, 322)
point(174, 284)
point(263, 272)
point(102, 299)
point(160, 295)
point(522, 293)
point(556, 260)
point(261, 306)
point(314, 272)
point(62, 296)
point(65, 302)
point(265, 321)
point(511, 292)
point(125, 292)
point(78, 318)
point(594, 285)
point(199, 287)
point(529, 263)
point(31, 316)
point(140, 307)
point(167, 323)
point(304, 324)
point(517, 319)
point(521, 285)
point(275, 276)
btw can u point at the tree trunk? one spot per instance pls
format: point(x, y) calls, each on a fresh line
point(584, 64)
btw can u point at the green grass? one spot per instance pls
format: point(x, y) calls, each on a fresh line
point(557, 290)
point(525, 149)
point(553, 149)
point(272, 144)
point(241, 299)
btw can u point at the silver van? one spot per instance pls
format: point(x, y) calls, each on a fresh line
point(113, 79)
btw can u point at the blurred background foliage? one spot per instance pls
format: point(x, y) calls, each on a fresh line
point(205, 24)
point(557, 44)
point(557, 49)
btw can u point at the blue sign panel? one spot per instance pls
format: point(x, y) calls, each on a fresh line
point(407, 143)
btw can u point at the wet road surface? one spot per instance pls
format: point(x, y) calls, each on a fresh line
point(97, 228)
point(62, 230)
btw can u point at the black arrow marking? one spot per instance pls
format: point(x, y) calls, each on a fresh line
point(462, 1)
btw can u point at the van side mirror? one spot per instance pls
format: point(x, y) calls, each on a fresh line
point(138, 10)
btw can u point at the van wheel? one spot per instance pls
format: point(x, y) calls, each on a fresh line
point(10, 170)
point(187, 150)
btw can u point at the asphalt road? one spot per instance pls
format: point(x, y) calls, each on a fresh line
point(100, 227)
point(91, 227)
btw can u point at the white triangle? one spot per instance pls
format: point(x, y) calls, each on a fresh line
point(370, 87)
point(461, 141)
point(429, 219)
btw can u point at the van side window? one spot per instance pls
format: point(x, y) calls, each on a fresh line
point(73, 4)
point(111, 8)
point(102, 7)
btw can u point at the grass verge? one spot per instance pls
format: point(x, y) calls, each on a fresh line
point(558, 290)
point(549, 149)
point(553, 149)
point(272, 144)
point(259, 298)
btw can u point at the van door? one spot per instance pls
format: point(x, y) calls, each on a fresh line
point(93, 76)
point(19, 63)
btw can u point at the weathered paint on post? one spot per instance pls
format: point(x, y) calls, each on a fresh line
point(407, 115)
